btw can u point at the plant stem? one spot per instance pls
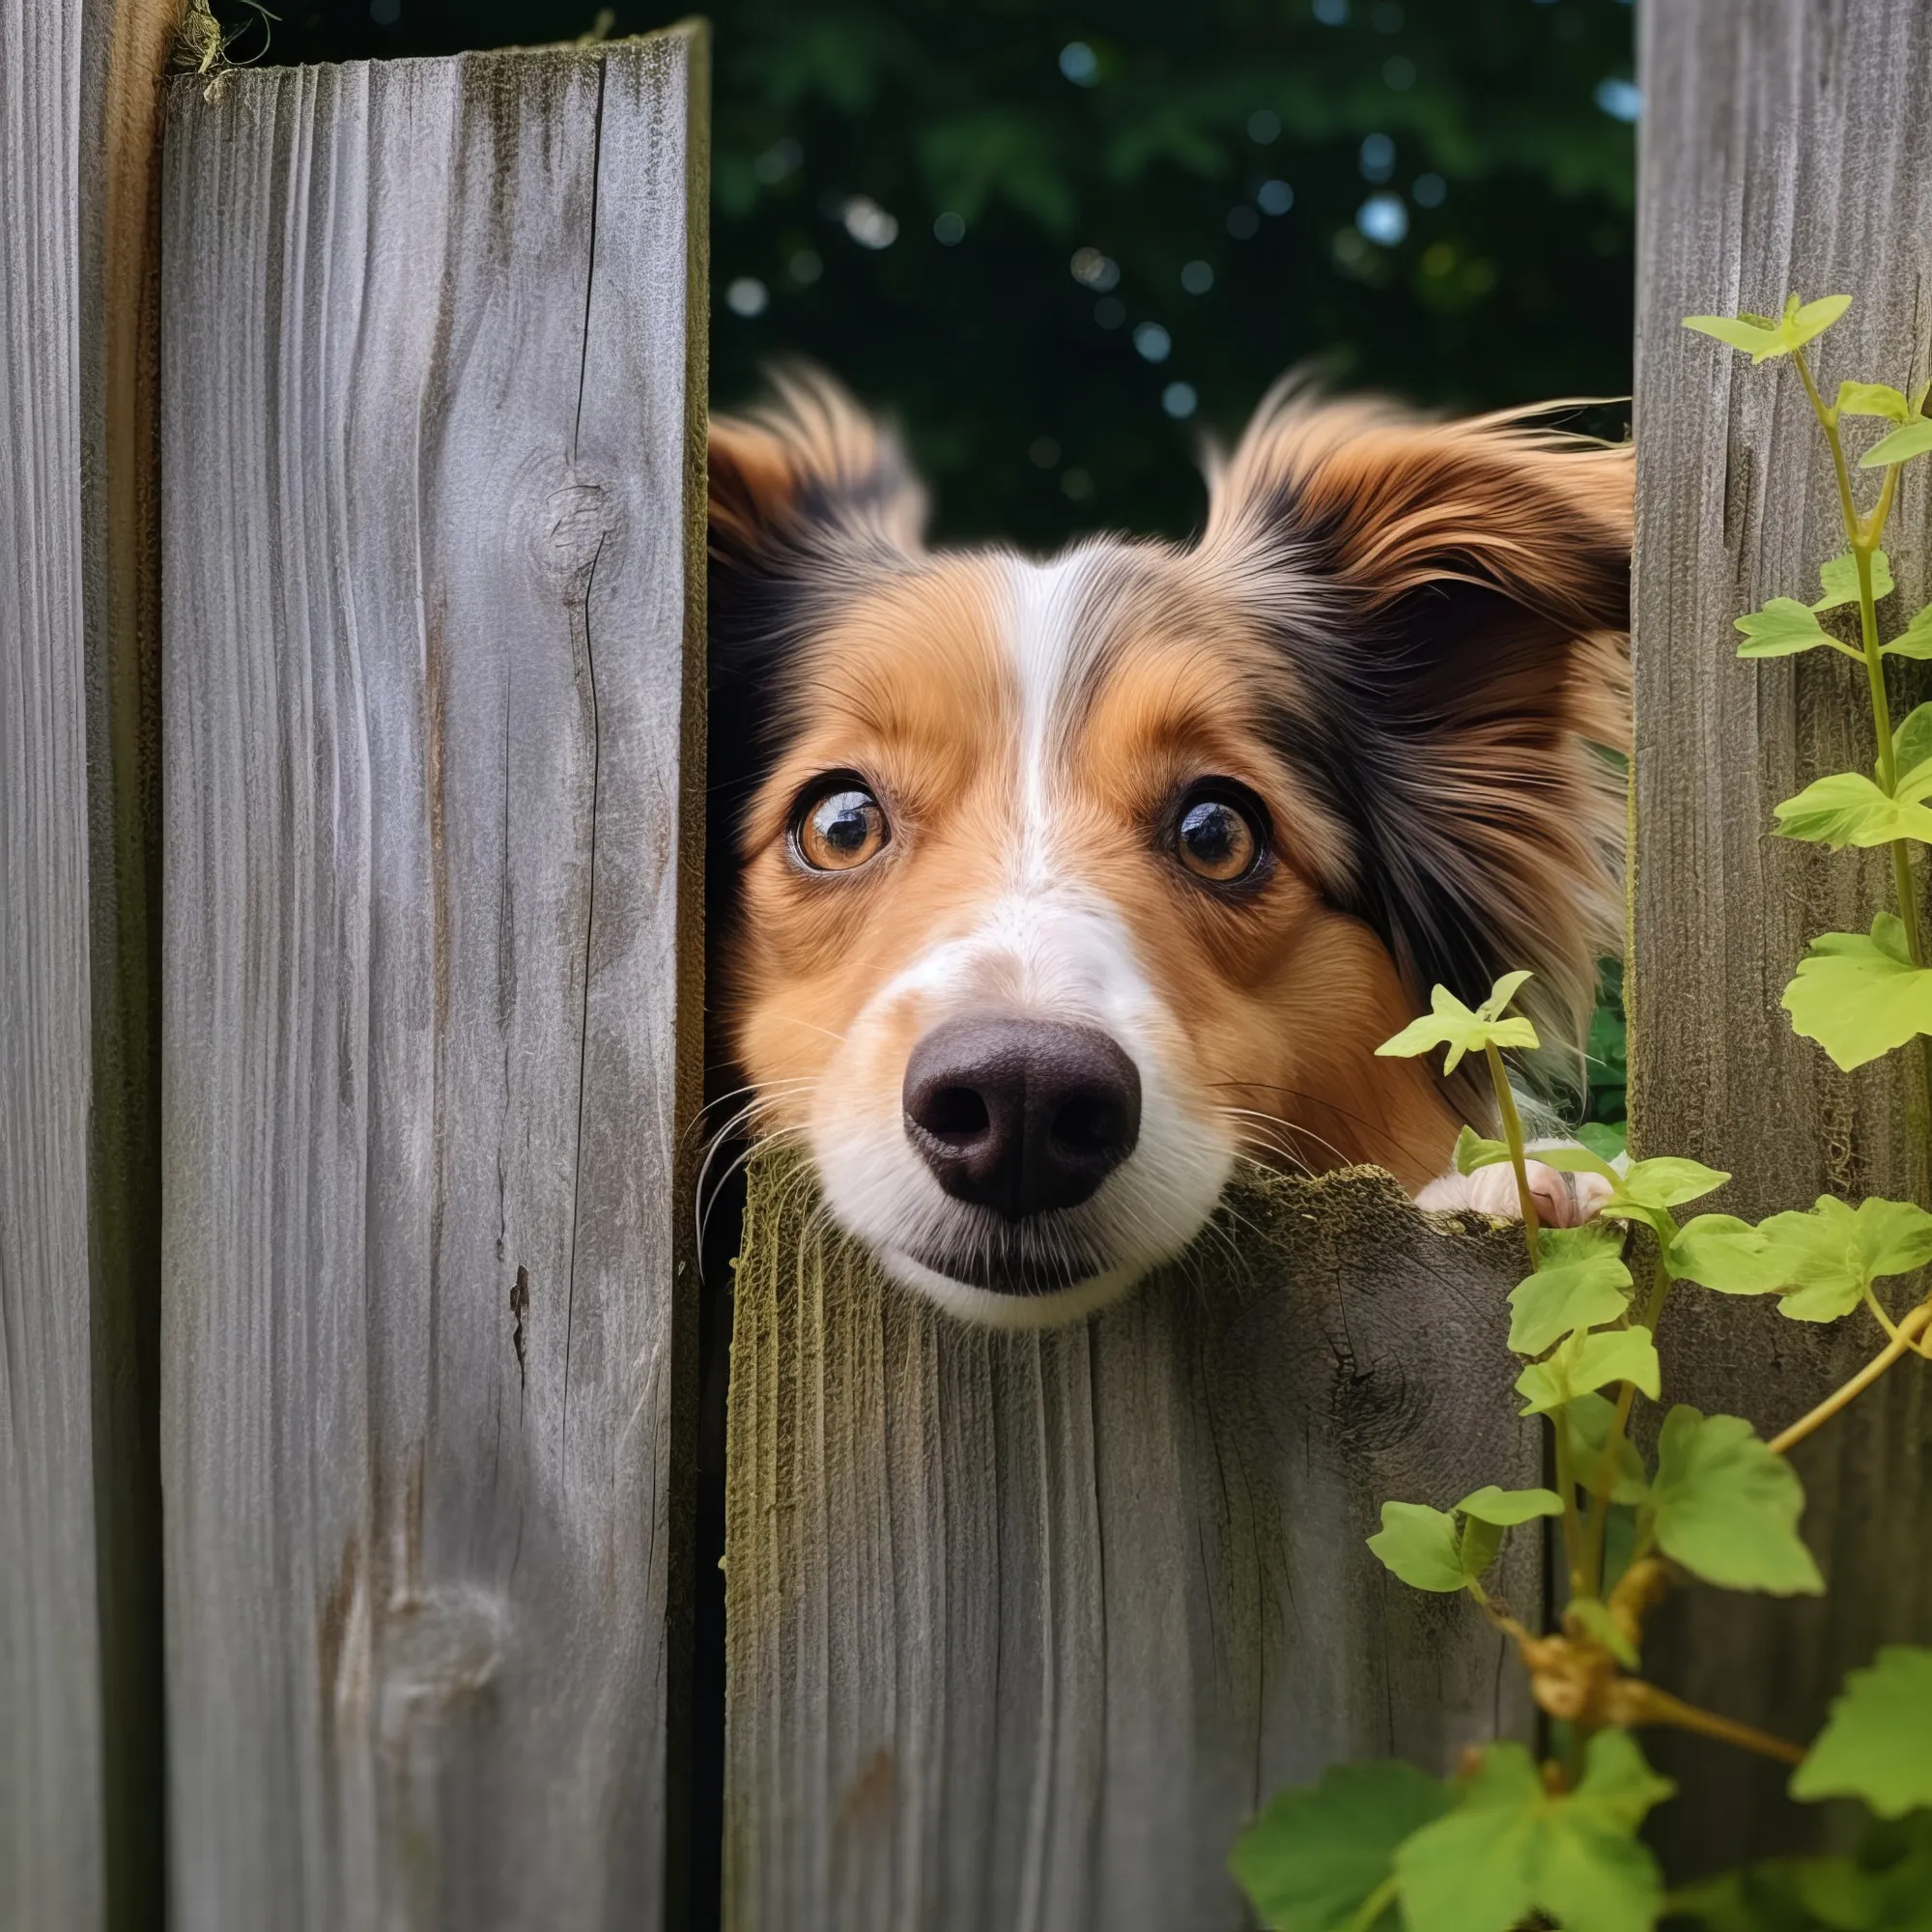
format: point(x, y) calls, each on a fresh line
point(1864, 537)
point(1879, 1315)
point(1374, 1905)
point(1573, 1522)
point(1646, 1704)
point(1828, 421)
point(1910, 1329)
point(1606, 1466)
point(1513, 1134)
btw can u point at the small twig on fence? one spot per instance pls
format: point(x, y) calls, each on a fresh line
point(1904, 1342)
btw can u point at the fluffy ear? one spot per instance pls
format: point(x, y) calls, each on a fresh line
point(1453, 602)
point(804, 476)
point(810, 498)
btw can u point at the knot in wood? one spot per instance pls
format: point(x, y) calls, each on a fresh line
point(438, 1647)
point(571, 517)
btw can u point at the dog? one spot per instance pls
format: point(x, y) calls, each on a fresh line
point(1053, 891)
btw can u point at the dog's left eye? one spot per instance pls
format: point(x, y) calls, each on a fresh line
point(839, 825)
point(1220, 834)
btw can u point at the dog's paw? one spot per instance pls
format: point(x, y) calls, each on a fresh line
point(1562, 1200)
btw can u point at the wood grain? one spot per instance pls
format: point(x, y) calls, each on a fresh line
point(1782, 147)
point(433, 470)
point(1022, 1628)
point(50, 1757)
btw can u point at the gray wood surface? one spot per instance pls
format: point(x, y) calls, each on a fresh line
point(1784, 146)
point(1022, 1628)
point(431, 449)
point(50, 1811)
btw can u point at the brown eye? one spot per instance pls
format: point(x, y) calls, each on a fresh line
point(1219, 837)
point(838, 826)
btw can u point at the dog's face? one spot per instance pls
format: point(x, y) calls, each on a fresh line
point(1061, 887)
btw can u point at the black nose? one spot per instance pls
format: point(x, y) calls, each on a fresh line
point(1021, 1114)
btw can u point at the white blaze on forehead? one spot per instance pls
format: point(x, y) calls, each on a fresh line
point(1049, 942)
point(1048, 657)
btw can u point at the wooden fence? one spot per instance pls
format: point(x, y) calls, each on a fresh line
point(1780, 149)
point(1019, 1627)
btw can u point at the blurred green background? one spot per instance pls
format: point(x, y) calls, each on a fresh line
point(1061, 244)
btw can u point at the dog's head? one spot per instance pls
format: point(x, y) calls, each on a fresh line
point(1058, 888)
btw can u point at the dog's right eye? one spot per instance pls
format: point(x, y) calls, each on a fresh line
point(839, 825)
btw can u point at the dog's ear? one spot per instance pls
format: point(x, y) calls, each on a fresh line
point(1453, 603)
point(810, 498)
point(803, 475)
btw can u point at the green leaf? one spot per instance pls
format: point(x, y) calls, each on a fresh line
point(1761, 339)
point(1824, 1260)
point(1847, 808)
point(1912, 742)
point(1587, 1421)
point(1900, 446)
point(1593, 1617)
point(1761, 343)
point(1587, 1362)
point(1502, 993)
point(1723, 1253)
point(1782, 628)
point(1316, 1855)
point(1479, 1544)
point(1573, 1159)
point(1841, 579)
point(1472, 1151)
point(1512, 1848)
point(1651, 1188)
point(1607, 1142)
point(1877, 1745)
point(1667, 1181)
point(1913, 641)
point(1727, 1508)
point(1428, 1551)
point(1421, 1546)
point(1860, 996)
point(1885, 1886)
point(1506, 1508)
point(1566, 1294)
point(1450, 1023)
point(1872, 399)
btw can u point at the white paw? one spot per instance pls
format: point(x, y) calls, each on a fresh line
point(1562, 1200)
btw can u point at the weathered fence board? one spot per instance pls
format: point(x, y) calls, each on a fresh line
point(1784, 147)
point(1023, 1627)
point(50, 1811)
point(433, 501)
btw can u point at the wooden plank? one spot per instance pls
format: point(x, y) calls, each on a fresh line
point(51, 1812)
point(125, 48)
point(433, 494)
point(1022, 1627)
point(1782, 147)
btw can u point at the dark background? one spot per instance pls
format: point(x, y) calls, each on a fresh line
point(1021, 389)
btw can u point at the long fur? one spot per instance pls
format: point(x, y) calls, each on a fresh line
point(1475, 593)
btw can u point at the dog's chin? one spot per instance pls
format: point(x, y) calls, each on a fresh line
point(1012, 1295)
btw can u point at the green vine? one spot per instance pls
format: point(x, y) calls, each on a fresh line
point(1508, 1841)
